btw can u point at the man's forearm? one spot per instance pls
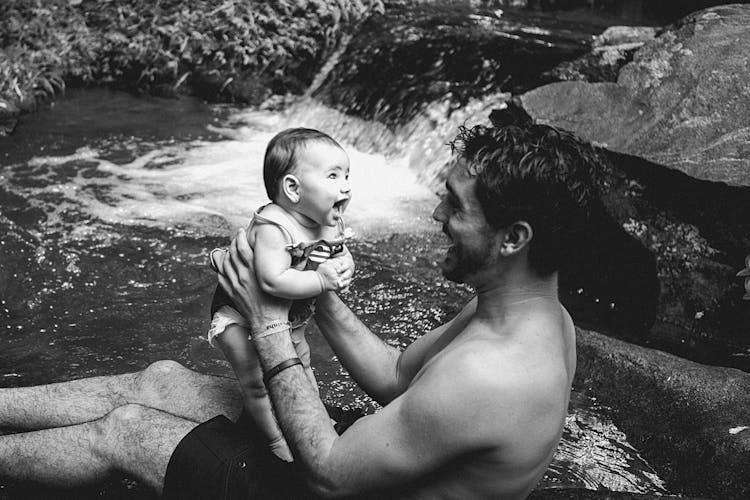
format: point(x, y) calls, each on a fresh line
point(299, 410)
point(372, 363)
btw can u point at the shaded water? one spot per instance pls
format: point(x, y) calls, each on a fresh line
point(108, 205)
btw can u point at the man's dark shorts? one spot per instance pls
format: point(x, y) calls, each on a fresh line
point(221, 459)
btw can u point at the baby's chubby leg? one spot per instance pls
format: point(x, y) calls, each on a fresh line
point(241, 354)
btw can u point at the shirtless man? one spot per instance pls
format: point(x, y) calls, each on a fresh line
point(473, 409)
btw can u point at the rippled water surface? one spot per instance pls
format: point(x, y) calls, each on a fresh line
point(109, 204)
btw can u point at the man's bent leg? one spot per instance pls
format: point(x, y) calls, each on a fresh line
point(164, 385)
point(132, 439)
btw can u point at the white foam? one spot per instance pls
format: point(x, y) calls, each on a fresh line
point(214, 186)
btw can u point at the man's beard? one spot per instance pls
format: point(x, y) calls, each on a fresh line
point(460, 265)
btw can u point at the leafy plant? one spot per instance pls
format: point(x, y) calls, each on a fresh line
point(221, 49)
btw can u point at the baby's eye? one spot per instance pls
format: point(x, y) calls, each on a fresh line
point(333, 175)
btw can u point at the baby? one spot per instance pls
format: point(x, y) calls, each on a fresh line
point(306, 175)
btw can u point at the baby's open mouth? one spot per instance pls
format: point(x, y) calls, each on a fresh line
point(340, 205)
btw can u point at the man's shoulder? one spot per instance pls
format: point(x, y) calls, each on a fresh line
point(474, 384)
point(517, 367)
point(482, 362)
point(473, 370)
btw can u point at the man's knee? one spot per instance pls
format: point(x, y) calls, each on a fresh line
point(116, 429)
point(164, 368)
point(138, 441)
point(155, 379)
point(122, 420)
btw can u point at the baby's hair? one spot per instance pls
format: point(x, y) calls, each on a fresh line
point(281, 154)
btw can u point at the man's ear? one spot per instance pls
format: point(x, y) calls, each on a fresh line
point(517, 236)
point(290, 185)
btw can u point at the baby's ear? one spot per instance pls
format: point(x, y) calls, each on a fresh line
point(290, 186)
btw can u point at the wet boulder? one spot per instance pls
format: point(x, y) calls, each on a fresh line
point(690, 421)
point(676, 125)
point(683, 102)
point(420, 53)
point(610, 52)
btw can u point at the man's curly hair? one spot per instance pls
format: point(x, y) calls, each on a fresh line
point(535, 173)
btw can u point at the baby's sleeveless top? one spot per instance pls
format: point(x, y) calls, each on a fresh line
point(313, 252)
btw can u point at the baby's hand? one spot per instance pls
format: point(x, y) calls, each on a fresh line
point(345, 262)
point(337, 272)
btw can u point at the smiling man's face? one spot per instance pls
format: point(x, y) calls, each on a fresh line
point(472, 238)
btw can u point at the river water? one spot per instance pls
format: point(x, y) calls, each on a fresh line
point(109, 204)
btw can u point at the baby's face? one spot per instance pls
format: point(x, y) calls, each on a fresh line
point(323, 173)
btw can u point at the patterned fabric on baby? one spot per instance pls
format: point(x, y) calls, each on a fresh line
point(313, 253)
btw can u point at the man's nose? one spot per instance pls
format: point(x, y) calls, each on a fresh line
point(439, 214)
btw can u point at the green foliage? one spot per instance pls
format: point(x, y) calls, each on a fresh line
point(41, 44)
point(215, 46)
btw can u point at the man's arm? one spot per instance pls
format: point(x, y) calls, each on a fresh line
point(372, 363)
point(422, 430)
point(418, 432)
point(381, 370)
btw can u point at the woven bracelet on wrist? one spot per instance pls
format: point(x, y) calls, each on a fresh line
point(280, 368)
point(277, 327)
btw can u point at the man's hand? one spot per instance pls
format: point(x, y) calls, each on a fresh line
point(337, 272)
point(237, 278)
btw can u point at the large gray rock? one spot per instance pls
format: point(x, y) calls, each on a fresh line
point(678, 122)
point(610, 52)
point(683, 102)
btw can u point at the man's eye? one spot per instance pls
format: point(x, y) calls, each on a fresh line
point(447, 198)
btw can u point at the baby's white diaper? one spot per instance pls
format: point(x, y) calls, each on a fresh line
point(224, 317)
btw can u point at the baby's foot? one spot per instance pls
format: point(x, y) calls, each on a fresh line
point(281, 449)
point(216, 257)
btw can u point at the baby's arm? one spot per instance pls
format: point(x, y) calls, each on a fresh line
point(277, 278)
